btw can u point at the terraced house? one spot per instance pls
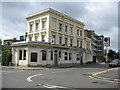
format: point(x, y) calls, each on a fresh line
point(53, 38)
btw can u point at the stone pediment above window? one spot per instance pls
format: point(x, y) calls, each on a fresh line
point(53, 32)
point(30, 35)
point(66, 34)
point(60, 21)
point(43, 33)
point(44, 19)
point(70, 25)
point(37, 21)
point(71, 37)
point(79, 27)
point(66, 23)
point(59, 33)
point(36, 34)
point(32, 22)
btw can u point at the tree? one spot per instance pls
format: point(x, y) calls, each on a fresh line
point(111, 54)
point(118, 55)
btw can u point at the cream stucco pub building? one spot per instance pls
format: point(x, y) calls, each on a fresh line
point(53, 38)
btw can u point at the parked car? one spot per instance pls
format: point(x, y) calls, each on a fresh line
point(114, 63)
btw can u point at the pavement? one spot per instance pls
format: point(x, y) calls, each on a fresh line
point(39, 68)
point(107, 75)
point(24, 68)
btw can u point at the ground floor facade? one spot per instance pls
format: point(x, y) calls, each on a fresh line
point(37, 53)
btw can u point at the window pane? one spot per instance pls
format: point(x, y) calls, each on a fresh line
point(43, 55)
point(77, 43)
point(69, 56)
point(71, 29)
point(78, 58)
point(36, 26)
point(24, 58)
point(43, 37)
point(43, 24)
point(31, 27)
point(51, 55)
point(77, 32)
point(66, 55)
point(59, 54)
point(60, 40)
point(80, 33)
point(71, 41)
point(30, 38)
point(81, 44)
point(66, 41)
point(33, 57)
point(54, 39)
point(65, 28)
point(20, 54)
point(60, 27)
point(36, 38)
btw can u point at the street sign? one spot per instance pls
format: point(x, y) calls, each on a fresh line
point(107, 41)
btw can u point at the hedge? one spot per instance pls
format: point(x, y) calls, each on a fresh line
point(6, 57)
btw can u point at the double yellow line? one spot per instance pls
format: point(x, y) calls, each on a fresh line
point(94, 76)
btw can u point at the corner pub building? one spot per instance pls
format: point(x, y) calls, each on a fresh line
point(52, 38)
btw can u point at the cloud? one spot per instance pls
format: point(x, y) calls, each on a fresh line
point(99, 16)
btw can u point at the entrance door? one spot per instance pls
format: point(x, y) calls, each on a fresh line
point(55, 58)
point(94, 59)
point(81, 60)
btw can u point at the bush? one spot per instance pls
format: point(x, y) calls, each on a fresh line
point(6, 57)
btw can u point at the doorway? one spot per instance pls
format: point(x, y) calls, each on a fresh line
point(55, 58)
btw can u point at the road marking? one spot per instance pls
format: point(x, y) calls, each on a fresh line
point(29, 79)
point(93, 76)
point(51, 86)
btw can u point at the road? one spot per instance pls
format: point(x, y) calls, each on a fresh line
point(76, 77)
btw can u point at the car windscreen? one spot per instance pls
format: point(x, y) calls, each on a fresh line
point(115, 61)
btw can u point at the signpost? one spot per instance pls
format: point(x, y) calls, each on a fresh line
point(107, 44)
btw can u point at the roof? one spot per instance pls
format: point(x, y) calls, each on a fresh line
point(55, 12)
point(11, 40)
point(39, 43)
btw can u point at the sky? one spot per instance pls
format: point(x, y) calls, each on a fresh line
point(102, 17)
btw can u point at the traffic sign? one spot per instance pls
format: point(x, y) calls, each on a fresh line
point(107, 41)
